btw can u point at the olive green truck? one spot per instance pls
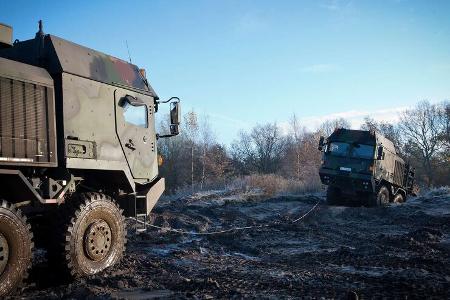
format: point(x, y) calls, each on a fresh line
point(363, 168)
point(78, 154)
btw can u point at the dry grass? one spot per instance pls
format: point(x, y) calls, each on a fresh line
point(263, 185)
point(271, 184)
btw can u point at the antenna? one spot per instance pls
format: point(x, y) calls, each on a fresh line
point(128, 49)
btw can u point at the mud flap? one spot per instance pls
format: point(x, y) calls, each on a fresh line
point(152, 192)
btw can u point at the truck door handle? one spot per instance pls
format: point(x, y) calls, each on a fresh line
point(130, 145)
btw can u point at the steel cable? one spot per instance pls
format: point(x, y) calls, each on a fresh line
point(179, 231)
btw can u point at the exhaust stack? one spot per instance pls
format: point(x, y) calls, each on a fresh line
point(5, 36)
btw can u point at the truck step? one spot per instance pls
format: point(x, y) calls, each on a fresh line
point(141, 223)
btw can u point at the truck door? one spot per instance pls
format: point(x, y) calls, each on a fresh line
point(136, 132)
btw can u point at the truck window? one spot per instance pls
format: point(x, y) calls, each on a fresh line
point(363, 151)
point(336, 148)
point(136, 115)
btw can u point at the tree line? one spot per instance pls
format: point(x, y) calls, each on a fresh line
point(196, 159)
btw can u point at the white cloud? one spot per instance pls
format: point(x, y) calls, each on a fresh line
point(355, 117)
point(231, 122)
point(320, 68)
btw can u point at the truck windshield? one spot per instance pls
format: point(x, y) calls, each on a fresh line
point(352, 150)
point(337, 148)
point(362, 151)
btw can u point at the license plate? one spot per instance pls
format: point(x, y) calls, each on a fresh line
point(345, 169)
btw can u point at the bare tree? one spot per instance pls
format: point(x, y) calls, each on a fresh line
point(269, 145)
point(297, 135)
point(444, 120)
point(329, 126)
point(217, 162)
point(390, 131)
point(207, 140)
point(422, 130)
point(175, 167)
point(259, 151)
point(191, 128)
point(243, 154)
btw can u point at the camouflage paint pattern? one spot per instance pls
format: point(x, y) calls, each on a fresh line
point(92, 114)
point(88, 63)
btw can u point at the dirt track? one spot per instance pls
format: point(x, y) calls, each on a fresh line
point(335, 252)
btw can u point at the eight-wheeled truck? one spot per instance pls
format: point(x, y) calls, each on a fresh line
point(77, 154)
point(363, 168)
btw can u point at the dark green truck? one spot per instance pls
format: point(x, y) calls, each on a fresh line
point(363, 168)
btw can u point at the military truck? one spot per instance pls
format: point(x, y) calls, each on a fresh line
point(78, 154)
point(363, 168)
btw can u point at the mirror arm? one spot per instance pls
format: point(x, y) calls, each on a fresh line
point(158, 136)
point(157, 102)
point(170, 99)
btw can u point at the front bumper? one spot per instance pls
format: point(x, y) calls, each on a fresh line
point(347, 181)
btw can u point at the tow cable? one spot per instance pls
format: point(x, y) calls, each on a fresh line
point(179, 231)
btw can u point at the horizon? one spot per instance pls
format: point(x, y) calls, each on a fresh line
point(244, 63)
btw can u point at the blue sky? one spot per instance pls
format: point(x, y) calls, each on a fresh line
point(248, 62)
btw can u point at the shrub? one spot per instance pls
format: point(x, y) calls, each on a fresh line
point(272, 184)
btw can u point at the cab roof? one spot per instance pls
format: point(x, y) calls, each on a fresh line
point(361, 137)
point(58, 55)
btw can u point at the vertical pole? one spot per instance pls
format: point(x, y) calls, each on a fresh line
point(192, 167)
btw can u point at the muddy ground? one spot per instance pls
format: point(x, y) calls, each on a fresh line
point(401, 251)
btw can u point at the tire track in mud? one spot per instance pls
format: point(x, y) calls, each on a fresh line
point(402, 250)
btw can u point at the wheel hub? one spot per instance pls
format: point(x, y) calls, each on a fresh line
point(97, 240)
point(4, 253)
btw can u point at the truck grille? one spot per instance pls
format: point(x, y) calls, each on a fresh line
point(26, 123)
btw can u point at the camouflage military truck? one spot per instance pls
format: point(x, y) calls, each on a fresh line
point(363, 168)
point(78, 154)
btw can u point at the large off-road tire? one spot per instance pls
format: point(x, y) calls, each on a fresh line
point(93, 235)
point(16, 248)
point(399, 198)
point(381, 198)
point(333, 196)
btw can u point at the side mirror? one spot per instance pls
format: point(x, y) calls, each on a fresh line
point(175, 113)
point(380, 153)
point(321, 140)
point(175, 116)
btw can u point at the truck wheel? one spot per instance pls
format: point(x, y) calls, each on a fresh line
point(380, 199)
point(333, 195)
point(94, 234)
point(16, 248)
point(399, 198)
point(383, 196)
